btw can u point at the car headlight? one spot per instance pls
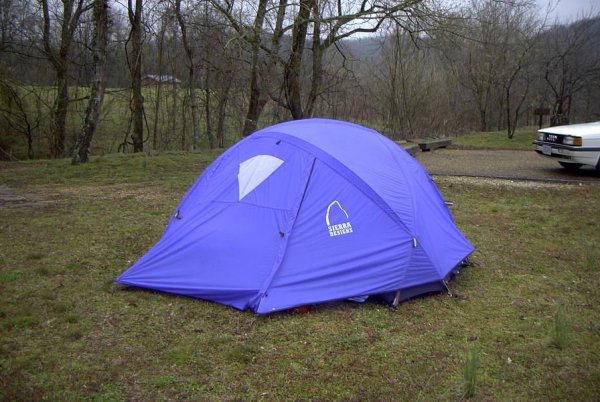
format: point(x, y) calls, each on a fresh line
point(570, 140)
point(541, 136)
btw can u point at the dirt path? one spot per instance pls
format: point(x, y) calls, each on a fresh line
point(501, 164)
point(7, 195)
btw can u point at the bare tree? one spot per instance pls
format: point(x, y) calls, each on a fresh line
point(292, 69)
point(254, 38)
point(334, 20)
point(572, 61)
point(57, 48)
point(160, 45)
point(488, 51)
point(7, 24)
point(83, 142)
point(516, 43)
point(191, 79)
point(18, 112)
point(135, 70)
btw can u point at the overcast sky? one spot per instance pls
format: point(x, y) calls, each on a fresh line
point(569, 10)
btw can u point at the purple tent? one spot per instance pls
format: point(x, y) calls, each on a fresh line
point(304, 212)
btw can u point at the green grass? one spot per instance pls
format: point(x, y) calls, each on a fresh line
point(68, 333)
point(560, 333)
point(498, 140)
point(592, 257)
point(172, 169)
point(471, 367)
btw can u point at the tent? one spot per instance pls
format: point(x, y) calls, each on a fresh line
point(305, 212)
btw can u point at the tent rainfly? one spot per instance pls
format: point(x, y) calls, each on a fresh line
point(304, 212)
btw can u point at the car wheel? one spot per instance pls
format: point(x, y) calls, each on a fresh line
point(570, 166)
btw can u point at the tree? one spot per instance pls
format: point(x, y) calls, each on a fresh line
point(7, 23)
point(135, 71)
point(572, 63)
point(57, 48)
point(488, 50)
point(82, 146)
point(516, 45)
point(165, 19)
point(470, 56)
point(191, 76)
point(408, 87)
point(18, 113)
point(257, 95)
point(331, 21)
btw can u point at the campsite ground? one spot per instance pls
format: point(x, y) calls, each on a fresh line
point(511, 164)
point(528, 310)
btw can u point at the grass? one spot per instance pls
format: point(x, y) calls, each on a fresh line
point(471, 367)
point(592, 257)
point(521, 141)
point(68, 333)
point(560, 333)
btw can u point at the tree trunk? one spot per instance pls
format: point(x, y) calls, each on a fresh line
point(223, 96)
point(317, 64)
point(135, 70)
point(61, 107)
point(158, 91)
point(207, 96)
point(59, 59)
point(292, 73)
point(510, 130)
point(82, 147)
point(183, 136)
point(191, 73)
point(483, 119)
point(254, 103)
point(30, 153)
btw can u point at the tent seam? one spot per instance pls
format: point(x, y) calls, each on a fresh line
point(263, 290)
point(349, 175)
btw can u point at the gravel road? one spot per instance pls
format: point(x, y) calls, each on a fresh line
point(525, 165)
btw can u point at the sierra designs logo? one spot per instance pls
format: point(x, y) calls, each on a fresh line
point(337, 219)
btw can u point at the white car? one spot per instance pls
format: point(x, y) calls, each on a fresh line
point(572, 146)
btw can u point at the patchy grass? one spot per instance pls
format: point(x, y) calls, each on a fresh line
point(592, 257)
point(68, 333)
point(560, 333)
point(471, 367)
point(167, 170)
point(521, 141)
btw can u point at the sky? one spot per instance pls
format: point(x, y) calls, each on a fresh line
point(569, 10)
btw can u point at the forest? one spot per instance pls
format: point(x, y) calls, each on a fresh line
point(92, 77)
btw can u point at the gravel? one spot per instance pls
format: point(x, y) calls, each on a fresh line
point(502, 164)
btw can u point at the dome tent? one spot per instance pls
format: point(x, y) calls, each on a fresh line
point(304, 212)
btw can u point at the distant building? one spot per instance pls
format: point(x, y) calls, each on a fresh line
point(151, 80)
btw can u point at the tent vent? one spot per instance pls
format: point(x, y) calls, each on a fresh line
point(278, 142)
point(281, 234)
point(254, 171)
